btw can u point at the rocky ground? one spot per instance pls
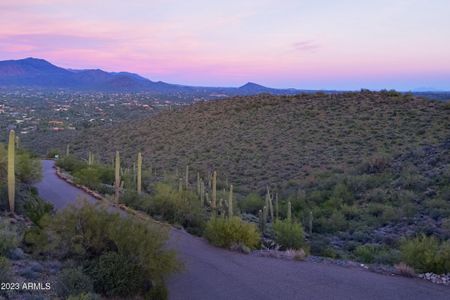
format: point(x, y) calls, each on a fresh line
point(30, 277)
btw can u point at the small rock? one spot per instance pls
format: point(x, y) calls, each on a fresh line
point(16, 254)
point(36, 267)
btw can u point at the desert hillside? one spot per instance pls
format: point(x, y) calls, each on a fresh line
point(269, 140)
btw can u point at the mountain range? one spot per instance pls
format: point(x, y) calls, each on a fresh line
point(39, 73)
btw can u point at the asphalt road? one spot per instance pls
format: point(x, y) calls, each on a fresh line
point(213, 274)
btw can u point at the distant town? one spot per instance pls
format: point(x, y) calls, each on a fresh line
point(30, 110)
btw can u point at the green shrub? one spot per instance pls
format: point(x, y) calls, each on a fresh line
point(224, 232)
point(5, 275)
point(8, 239)
point(71, 164)
point(426, 254)
point(183, 208)
point(289, 234)
point(89, 177)
point(117, 275)
point(36, 240)
point(251, 204)
point(87, 232)
point(28, 168)
point(73, 282)
point(375, 253)
point(36, 209)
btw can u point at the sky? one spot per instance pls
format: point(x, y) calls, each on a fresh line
point(311, 44)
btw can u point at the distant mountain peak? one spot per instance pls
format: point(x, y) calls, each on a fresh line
point(252, 85)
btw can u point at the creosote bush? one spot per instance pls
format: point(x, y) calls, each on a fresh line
point(227, 232)
point(177, 207)
point(289, 234)
point(73, 282)
point(120, 255)
point(251, 204)
point(4, 270)
point(8, 239)
point(426, 254)
point(115, 274)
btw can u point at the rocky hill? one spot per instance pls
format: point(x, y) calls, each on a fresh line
point(269, 140)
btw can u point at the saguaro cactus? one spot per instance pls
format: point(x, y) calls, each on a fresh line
point(90, 158)
point(199, 188)
point(187, 177)
point(68, 150)
point(270, 203)
point(202, 193)
point(277, 211)
point(139, 173)
point(230, 202)
point(264, 219)
point(214, 191)
point(289, 211)
point(11, 170)
point(117, 177)
point(310, 222)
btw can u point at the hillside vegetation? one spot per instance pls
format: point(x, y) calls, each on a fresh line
point(279, 141)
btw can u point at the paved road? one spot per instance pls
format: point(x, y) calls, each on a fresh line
point(213, 273)
point(57, 191)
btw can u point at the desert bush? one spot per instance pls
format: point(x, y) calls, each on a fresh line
point(426, 254)
point(226, 232)
point(289, 234)
point(73, 282)
point(28, 168)
point(36, 209)
point(5, 266)
point(375, 253)
point(177, 207)
point(251, 204)
point(87, 233)
point(52, 153)
point(117, 275)
point(71, 164)
point(89, 177)
point(8, 239)
point(37, 241)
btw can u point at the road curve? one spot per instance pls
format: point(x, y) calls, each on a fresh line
point(213, 273)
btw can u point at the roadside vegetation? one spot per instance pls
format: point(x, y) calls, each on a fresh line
point(83, 252)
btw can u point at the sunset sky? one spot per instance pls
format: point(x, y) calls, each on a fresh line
point(320, 44)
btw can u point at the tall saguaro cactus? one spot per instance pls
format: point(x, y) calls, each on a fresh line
point(202, 193)
point(90, 158)
point(187, 177)
point(270, 204)
point(199, 188)
point(139, 173)
point(289, 211)
point(230, 202)
point(117, 177)
point(214, 191)
point(277, 211)
point(11, 170)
